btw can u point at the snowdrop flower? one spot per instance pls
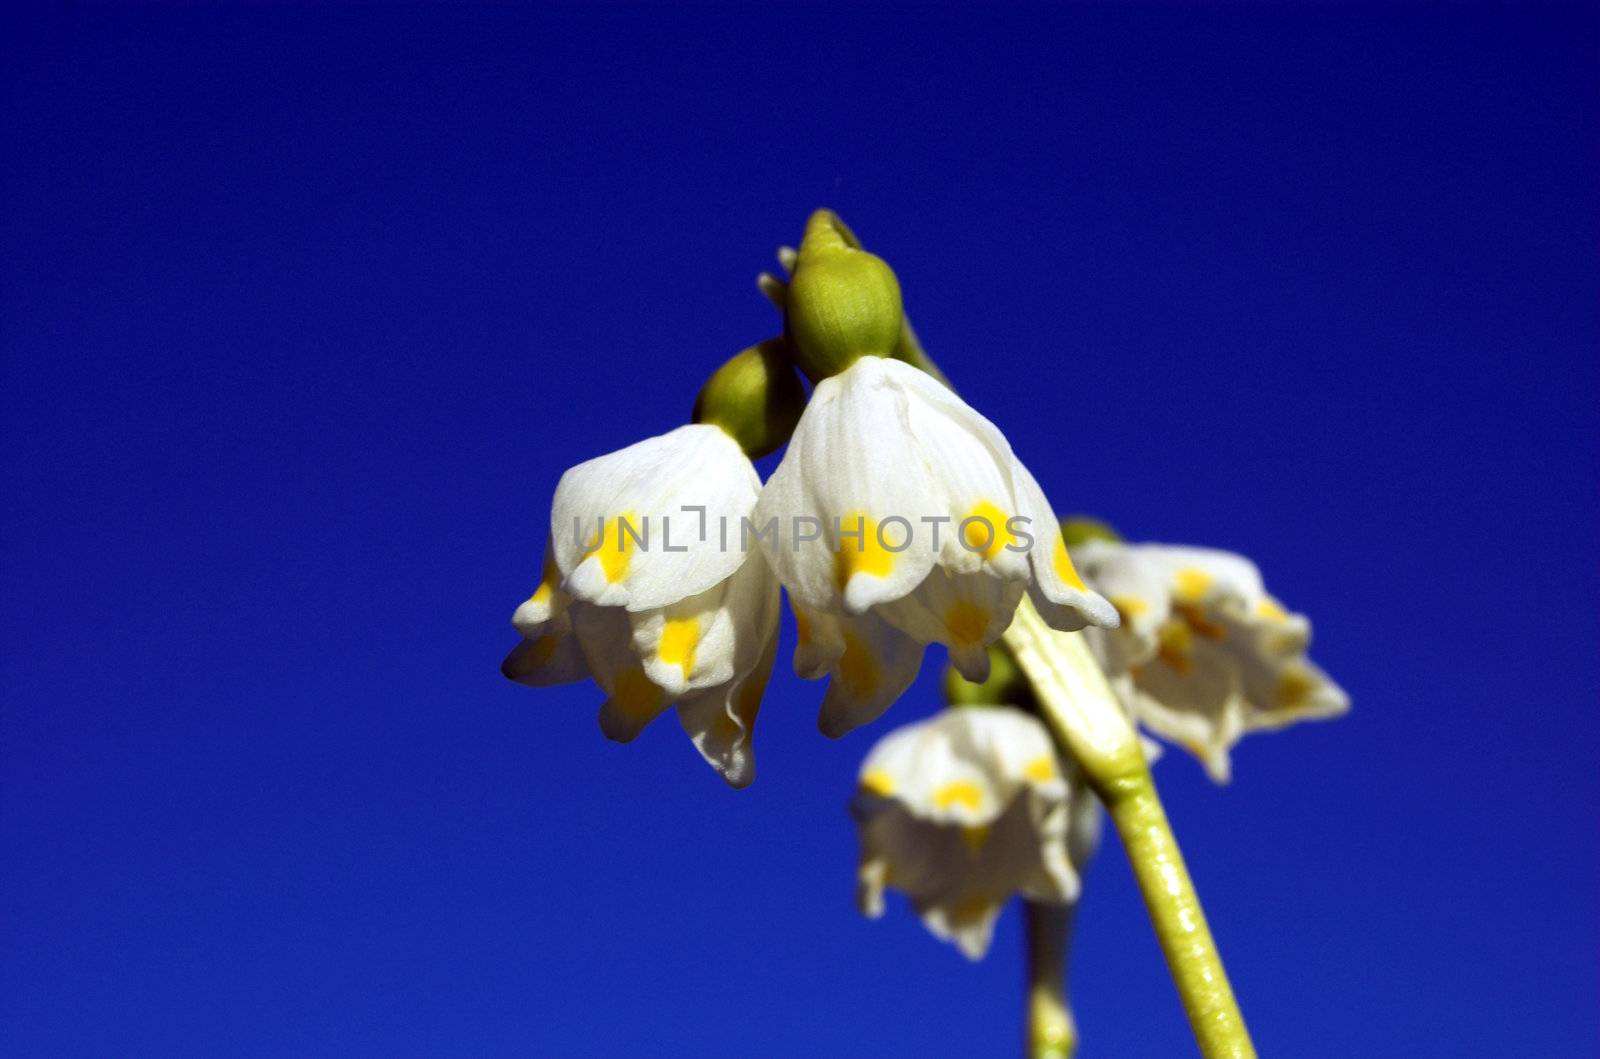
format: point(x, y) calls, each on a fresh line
point(640, 594)
point(960, 811)
point(902, 518)
point(1203, 655)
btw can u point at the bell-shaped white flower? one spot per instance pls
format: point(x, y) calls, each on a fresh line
point(961, 811)
point(899, 517)
point(1203, 655)
point(646, 590)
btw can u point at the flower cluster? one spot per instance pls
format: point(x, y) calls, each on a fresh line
point(882, 450)
point(1203, 654)
point(960, 812)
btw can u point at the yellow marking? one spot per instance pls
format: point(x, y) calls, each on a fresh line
point(636, 695)
point(1270, 609)
point(858, 667)
point(1064, 568)
point(860, 554)
point(1129, 607)
point(615, 547)
point(1190, 584)
point(1196, 617)
point(678, 642)
point(1040, 770)
point(966, 622)
point(975, 837)
point(1175, 646)
point(549, 578)
point(965, 792)
point(986, 539)
point(878, 782)
point(1294, 686)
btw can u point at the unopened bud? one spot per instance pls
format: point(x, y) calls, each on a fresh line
point(1006, 686)
point(843, 304)
point(756, 397)
point(1080, 528)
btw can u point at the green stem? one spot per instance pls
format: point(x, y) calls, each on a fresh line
point(1175, 911)
point(1051, 1031)
point(1084, 716)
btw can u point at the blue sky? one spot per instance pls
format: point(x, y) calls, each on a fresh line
point(303, 313)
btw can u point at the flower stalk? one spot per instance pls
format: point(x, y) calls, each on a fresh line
point(1051, 1032)
point(1083, 714)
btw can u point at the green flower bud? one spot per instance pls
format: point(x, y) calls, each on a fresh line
point(1080, 528)
point(843, 304)
point(1006, 686)
point(756, 397)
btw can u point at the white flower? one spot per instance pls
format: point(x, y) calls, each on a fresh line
point(902, 519)
point(960, 811)
point(640, 593)
point(1204, 655)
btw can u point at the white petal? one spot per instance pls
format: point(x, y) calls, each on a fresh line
point(546, 608)
point(965, 612)
point(707, 639)
point(1205, 576)
point(852, 475)
point(1284, 692)
point(1140, 591)
point(819, 642)
point(964, 766)
point(971, 462)
point(622, 524)
point(875, 666)
point(1197, 704)
point(1065, 602)
point(633, 700)
point(722, 720)
point(969, 926)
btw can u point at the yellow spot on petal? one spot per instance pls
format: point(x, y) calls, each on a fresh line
point(878, 782)
point(1196, 617)
point(678, 641)
point(860, 553)
point(1064, 568)
point(1175, 645)
point(635, 695)
point(964, 792)
point(1294, 686)
point(988, 534)
point(616, 545)
point(975, 837)
point(1190, 584)
point(966, 622)
point(1129, 607)
point(1040, 770)
point(858, 667)
point(549, 579)
point(1270, 609)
